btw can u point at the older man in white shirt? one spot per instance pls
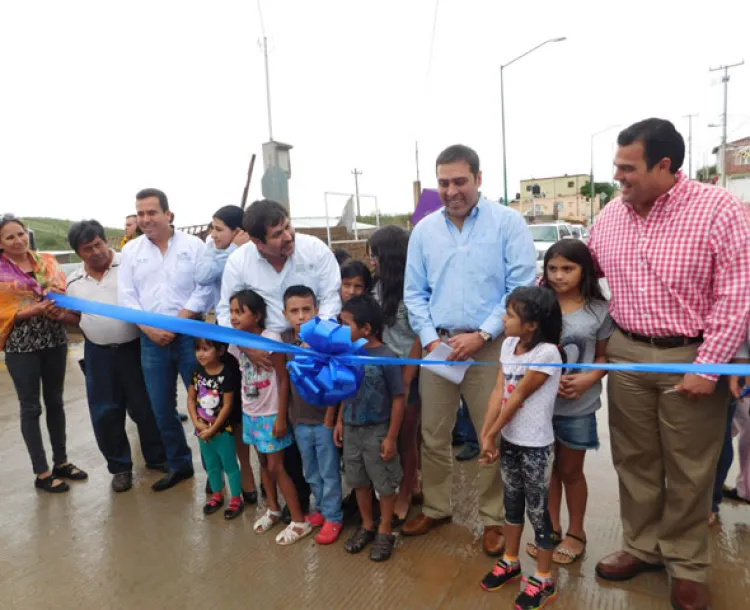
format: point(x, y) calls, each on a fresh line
point(157, 274)
point(112, 360)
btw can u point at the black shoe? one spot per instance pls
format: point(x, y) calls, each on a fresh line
point(47, 484)
point(501, 575)
point(469, 452)
point(183, 417)
point(122, 481)
point(163, 467)
point(69, 471)
point(173, 478)
point(382, 547)
point(359, 540)
point(250, 497)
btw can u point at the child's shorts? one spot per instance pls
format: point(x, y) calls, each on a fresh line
point(576, 432)
point(362, 461)
point(258, 430)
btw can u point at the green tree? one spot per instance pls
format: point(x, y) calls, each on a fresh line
point(706, 174)
point(604, 189)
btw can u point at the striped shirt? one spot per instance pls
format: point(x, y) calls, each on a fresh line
point(682, 270)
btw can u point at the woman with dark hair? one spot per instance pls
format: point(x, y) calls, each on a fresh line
point(226, 236)
point(36, 346)
point(569, 270)
point(387, 249)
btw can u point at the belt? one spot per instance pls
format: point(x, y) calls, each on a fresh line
point(663, 342)
point(446, 332)
point(115, 345)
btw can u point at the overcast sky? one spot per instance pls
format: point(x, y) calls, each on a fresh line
point(101, 99)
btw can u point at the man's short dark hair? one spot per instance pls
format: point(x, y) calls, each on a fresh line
point(300, 292)
point(84, 232)
point(458, 153)
point(262, 214)
point(160, 195)
point(660, 140)
point(131, 216)
point(365, 310)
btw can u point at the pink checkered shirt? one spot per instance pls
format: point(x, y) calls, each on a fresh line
point(682, 270)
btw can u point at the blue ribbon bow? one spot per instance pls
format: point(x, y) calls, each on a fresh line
point(322, 378)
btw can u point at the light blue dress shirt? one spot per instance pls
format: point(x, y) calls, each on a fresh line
point(210, 268)
point(460, 280)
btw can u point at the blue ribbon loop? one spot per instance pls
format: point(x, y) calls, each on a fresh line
point(326, 381)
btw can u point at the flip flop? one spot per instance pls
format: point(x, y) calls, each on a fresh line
point(565, 556)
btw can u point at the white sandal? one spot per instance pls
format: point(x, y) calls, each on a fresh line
point(294, 532)
point(267, 521)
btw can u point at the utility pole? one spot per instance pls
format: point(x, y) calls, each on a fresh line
point(268, 88)
point(725, 80)
point(357, 173)
point(690, 117)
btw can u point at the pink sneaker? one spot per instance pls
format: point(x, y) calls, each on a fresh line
point(330, 533)
point(315, 519)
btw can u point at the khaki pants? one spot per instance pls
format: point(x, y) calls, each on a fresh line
point(665, 448)
point(440, 402)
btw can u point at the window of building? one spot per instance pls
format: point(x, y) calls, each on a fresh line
point(528, 188)
point(571, 184)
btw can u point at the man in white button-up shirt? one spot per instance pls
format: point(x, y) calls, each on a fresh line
point(112, 360)
point(276, 258)
point(157, 274)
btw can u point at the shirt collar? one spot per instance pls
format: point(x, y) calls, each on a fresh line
point(114, 263)
point(677, 189)
point(474, 211)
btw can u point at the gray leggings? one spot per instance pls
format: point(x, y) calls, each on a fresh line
point(31, 372)
point(526, 474)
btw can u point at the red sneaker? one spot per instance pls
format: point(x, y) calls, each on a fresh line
point(315, 519)
point(330, 533)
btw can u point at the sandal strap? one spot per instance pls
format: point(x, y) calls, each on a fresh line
point(574, 537)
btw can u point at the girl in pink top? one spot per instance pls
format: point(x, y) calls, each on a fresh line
point(265, 395)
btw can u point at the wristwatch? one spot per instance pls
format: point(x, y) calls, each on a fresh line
point(485, 335)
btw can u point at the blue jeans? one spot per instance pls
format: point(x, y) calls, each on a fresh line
point(725, 461)
point(115, 387)
point(161, 366)
point(320, 459)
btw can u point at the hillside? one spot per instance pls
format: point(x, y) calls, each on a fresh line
point(402, 220)
point(52, 233)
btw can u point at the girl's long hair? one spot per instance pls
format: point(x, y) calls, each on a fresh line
point(389, 245)
point(577, 252)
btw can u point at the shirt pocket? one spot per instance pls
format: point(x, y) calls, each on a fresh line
point(184, 274)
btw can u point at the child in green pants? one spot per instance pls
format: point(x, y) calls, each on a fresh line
point(210, 402)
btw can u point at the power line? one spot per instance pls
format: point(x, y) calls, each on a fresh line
point(725, 80)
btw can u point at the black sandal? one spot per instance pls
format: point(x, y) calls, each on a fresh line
point(382, 547)
point(358, 542)
point(69, 471)
point(48, 484)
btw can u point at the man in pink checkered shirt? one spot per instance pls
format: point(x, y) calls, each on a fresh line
point(676, 254)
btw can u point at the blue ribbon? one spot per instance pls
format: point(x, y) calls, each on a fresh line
point(233, 336)
point(324, 382)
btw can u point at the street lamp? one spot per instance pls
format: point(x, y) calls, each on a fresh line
point(502, 106)
point(591, 177)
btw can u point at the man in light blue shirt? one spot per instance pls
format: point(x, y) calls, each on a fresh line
point(463, 262)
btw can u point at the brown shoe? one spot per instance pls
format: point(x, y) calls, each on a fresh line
point(624, 566)
point(493, 541)
point(422, 524)
point(689, 595)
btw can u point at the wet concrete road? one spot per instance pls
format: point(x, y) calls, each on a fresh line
point(92, 548)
